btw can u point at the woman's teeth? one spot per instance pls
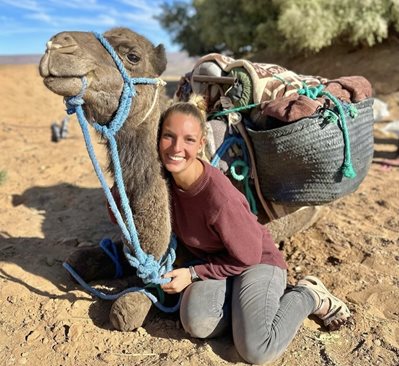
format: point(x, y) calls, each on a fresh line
point(175, 157)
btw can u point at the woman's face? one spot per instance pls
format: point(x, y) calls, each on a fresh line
point(180, 141)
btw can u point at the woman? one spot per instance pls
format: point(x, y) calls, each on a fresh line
point(240, 276)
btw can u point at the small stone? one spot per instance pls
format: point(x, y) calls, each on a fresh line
point(33, 336)
point(298, 269)
point(50, 261)
point(75, 331)
point(107, 357)
point(377, 342)
point(11, 299)
point(141, 331)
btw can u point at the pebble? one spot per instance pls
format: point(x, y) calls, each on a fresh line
point(50, 261)
point(33, 336)
point(11, 299)
point(75, 331)
point(377, 342)
point(107, 357)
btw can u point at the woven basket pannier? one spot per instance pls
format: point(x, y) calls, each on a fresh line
point(300, 163)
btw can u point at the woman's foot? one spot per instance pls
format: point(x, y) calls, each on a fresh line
point(329, 308)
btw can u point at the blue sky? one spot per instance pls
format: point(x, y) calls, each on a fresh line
point(28, 24)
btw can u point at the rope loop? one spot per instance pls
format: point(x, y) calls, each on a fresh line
point(244, 176)
point(244, 170)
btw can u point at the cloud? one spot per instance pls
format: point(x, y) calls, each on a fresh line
point(23, 4)
point(41, 17)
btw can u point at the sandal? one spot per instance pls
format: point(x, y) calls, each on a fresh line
point(337, 313)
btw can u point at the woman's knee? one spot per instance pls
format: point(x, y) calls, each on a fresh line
point(201, 311)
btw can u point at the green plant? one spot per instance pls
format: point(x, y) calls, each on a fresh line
point(3, 176)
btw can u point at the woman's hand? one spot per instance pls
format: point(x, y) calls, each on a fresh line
point(181, 278)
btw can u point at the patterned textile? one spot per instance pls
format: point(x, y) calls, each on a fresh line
point(275, 89)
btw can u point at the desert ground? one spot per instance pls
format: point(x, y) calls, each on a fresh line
point(51, 203)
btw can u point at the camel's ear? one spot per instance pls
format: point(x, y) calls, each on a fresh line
point(159, 59)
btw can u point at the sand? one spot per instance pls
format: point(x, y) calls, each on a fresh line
point(51, 203)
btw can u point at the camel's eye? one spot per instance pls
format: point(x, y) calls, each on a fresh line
point(133, 58)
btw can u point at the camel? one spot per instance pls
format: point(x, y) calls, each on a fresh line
point(73, 55)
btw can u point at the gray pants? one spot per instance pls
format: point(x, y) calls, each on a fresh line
point(263, 315)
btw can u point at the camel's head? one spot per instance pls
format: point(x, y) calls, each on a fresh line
point(72, 55)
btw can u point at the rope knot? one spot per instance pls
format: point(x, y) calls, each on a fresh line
point(73, 102)
point(311, 92)
point(148, 270)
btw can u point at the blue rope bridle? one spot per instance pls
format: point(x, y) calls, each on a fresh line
point(148, 268)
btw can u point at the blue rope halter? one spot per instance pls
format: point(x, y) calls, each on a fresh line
point(148, 268)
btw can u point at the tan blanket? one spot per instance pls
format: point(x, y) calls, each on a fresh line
point(275, 88)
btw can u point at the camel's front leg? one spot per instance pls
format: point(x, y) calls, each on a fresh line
point(130, 311)
point(152, 219)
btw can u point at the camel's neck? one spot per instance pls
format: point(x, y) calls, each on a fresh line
point(138, 155)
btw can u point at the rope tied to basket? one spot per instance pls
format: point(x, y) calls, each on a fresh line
point(318, 91)
point(232, 110)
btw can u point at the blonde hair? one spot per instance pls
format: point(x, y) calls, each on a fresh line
point(195, 106)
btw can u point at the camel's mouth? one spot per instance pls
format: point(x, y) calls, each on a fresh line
point(66, 86)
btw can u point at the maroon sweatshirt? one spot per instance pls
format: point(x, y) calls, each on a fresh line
point(214, 221)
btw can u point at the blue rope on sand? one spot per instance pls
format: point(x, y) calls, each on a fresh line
point(148, 268)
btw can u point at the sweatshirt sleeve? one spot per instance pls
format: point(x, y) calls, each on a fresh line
point(242, 237)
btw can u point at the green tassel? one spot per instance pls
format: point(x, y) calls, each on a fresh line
point(348, 171)
point(353, 112)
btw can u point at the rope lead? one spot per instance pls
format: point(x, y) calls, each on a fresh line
point(313, 92)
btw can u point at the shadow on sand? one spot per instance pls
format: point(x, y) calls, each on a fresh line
point(74, 215)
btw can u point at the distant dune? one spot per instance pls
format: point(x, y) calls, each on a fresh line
point(178, 62)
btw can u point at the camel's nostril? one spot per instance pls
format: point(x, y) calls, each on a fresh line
point(63, 43)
